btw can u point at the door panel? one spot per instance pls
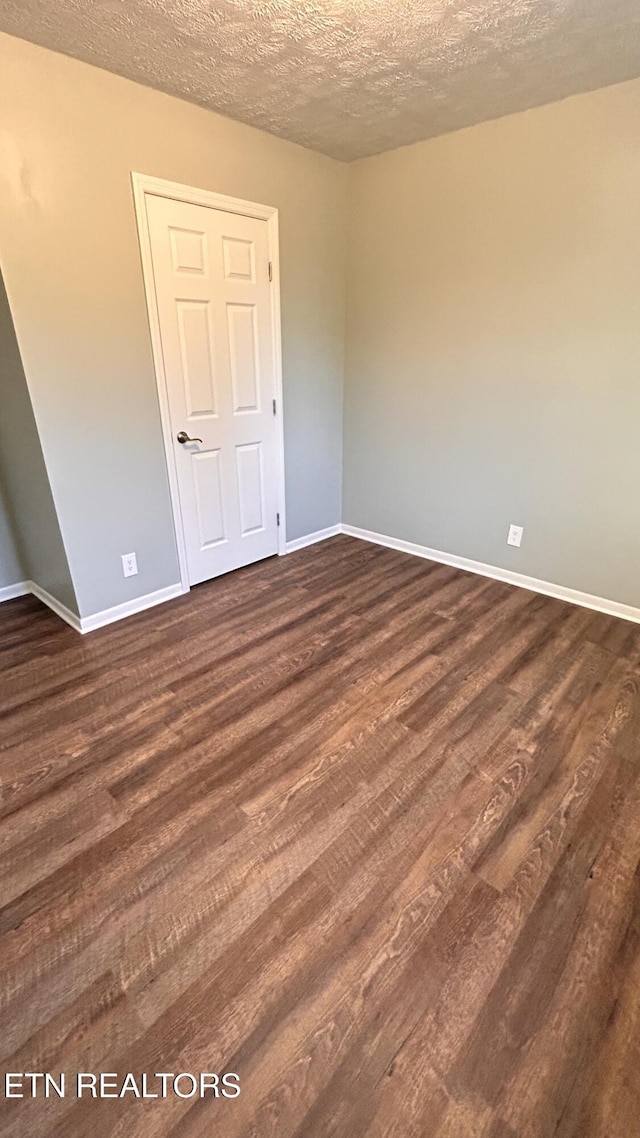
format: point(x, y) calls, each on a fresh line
point(250, 487)
point(239, 259)
point(188, 250)
point(207, 480)
point(196, 356)
point(243, 357)
point(212, 287)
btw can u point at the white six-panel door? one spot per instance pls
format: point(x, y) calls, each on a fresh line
point(211, 282)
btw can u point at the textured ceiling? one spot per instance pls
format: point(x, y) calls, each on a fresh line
point(348, 77)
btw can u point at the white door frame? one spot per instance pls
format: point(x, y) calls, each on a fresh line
point(146, 184)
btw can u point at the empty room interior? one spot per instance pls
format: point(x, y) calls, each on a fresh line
point(320, 569)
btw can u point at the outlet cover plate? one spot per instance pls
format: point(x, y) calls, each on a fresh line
point(129, 564)
point(515, 535)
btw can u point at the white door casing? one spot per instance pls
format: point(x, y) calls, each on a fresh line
point(210, 270)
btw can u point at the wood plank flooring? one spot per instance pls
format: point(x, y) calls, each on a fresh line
point(362, 829)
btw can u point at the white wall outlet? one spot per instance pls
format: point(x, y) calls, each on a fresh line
point(129, 565)
point(515, 535)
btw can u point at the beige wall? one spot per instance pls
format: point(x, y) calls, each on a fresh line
point(70, 135)
point(493, 334)
point(493, 351)
point(30, 516)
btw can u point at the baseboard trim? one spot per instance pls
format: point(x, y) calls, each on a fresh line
point(128, 608)
point(312, 538)
point(55, 605)
point(547, 588)
point(149, 600)
point(9, 592)
point(97, 619)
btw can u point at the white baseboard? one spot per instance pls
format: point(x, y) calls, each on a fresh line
point(97, 619)
point(128, 608)
point(139, 604)
point(8, 592)
point(560, 592)
point(312, 538)
point(55, 605)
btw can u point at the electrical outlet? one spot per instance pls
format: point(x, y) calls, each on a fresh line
point(515, 535)
point(129, 564)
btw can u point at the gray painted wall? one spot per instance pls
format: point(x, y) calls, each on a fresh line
point(493, 344)
point(71, 135)
point(11, 571)
point(27, 496)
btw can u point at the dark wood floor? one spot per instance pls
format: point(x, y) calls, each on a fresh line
point(361, 828)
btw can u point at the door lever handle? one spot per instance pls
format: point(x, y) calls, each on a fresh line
point(183, 437)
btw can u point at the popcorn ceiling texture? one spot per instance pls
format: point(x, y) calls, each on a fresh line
point(347, 77)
